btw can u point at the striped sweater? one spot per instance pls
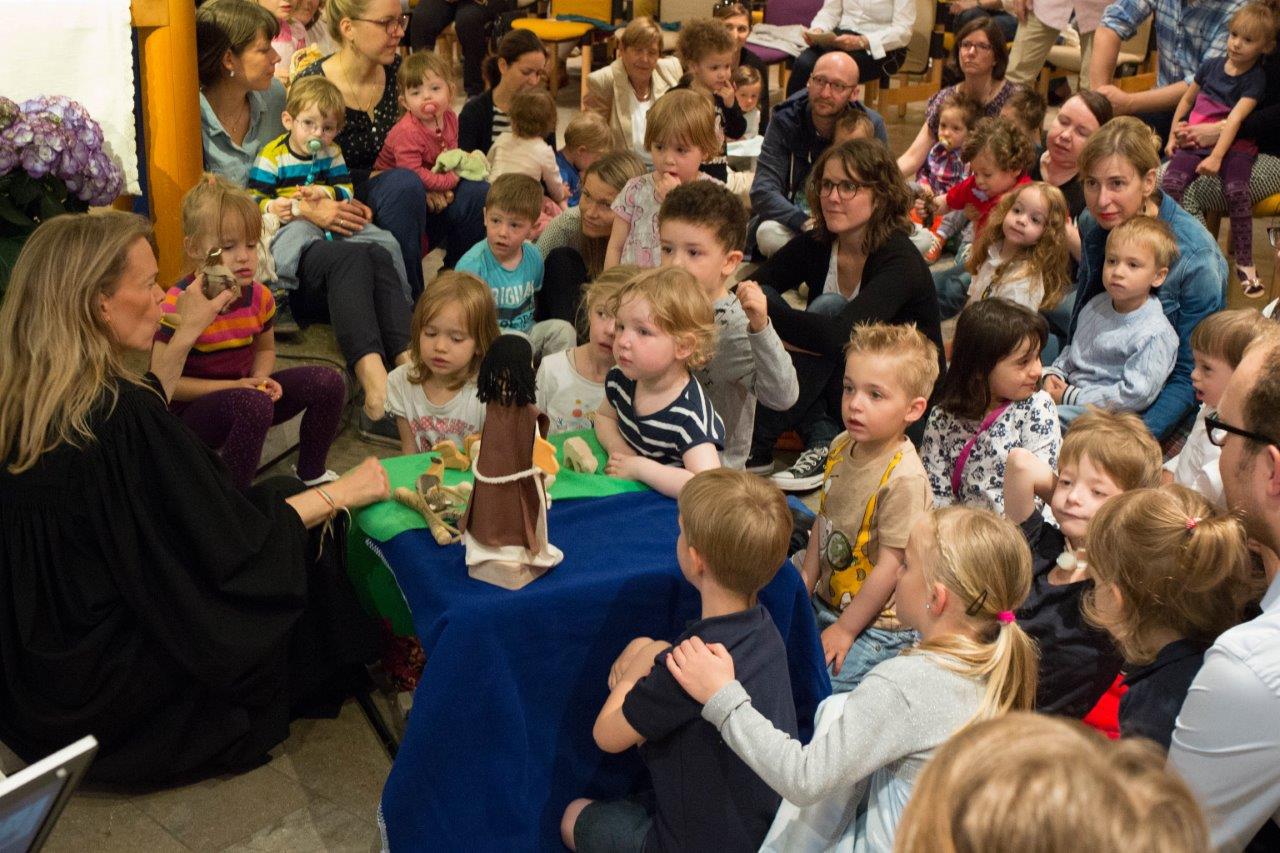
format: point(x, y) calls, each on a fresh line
point(278, 172)
point(665, 435)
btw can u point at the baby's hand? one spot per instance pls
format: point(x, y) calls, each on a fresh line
point(701, 669)
point(311, 194)
point(1172, 146)
point(270, 387)
point(624, 466)
point(1054, 387)
point(836, 642)
point(664, 183)
point(1209, 166)
point(754, 305)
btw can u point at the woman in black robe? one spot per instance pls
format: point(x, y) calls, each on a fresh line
point(144, 600)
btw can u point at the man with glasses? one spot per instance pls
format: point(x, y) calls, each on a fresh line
point(799, 130)
point(1227, 741)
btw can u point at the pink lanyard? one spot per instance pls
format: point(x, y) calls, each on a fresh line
point(957, 471)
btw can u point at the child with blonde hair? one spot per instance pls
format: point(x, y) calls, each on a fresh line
point(989, 404)
point(708, 53)
point(1170, 573)
point(433, 397)
point(680, 134)
point(428, 128)
point(1021, 254)
point(1218, 343)
point(571, 382)
point(1123, 347)
point(230, 393)
point(656, 422)
point(306, 165)
point(734, 530)
point(874, 487)
point(966, 571)
point(587, 138)
point(1034, 782)
point(1104, 454)
point(523, 150)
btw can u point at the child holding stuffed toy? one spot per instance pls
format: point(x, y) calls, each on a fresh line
point(230, 393)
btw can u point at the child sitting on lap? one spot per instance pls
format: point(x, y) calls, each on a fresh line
point(943, 168)
point(703, 228)
point(656, 423)
point(1123, 348)
point(587, 138)
point(512, 266)
point(1103, 455)
point(734, 530)
point(428, 127)
point(306, 165)
point(523, 150)
point(873, 490)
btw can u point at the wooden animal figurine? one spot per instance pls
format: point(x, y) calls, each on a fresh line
point(505, 526)
point(578, 456)
point(451, 456)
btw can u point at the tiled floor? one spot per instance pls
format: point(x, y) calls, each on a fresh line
point(320, 791)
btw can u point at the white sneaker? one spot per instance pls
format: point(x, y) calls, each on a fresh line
point(805, 474)
point(327, 477)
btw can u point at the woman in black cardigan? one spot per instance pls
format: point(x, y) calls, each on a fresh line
point(519, 66)
point(860, 267)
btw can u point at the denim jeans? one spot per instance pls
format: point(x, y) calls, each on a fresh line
point(873, 646)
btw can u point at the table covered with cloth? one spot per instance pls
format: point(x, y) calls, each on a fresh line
point(499, 738)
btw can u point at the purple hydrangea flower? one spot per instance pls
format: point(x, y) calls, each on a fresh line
point(56, 136)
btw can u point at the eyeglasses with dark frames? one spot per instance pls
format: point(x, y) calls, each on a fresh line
point(846, 190)
point(1218, 432)
point(397, 24)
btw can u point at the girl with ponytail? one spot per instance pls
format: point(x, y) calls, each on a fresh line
point(967, 571)
point(1170, 573)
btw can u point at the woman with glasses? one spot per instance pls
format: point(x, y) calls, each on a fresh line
point(364, 69)
point(874, 32)
point(623, 91)
point(980, 56)
point(573, 244)
point(353, 285)
point(860, 267)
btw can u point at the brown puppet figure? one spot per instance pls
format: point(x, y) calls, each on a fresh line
point(505, 525)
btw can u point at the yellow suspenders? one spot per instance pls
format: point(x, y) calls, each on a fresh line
point(850, 565)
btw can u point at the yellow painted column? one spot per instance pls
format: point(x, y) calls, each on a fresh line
point(170, 117)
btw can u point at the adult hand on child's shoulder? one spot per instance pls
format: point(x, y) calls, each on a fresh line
point(701, 669)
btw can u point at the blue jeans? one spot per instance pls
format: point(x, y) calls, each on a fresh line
point(953, 286)
point(1059, 317)
point(870, 648)
point(399, 205)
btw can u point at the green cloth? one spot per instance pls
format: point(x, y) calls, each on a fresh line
point(471, 165)
point(374, 582)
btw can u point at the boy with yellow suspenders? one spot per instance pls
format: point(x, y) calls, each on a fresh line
point(873, 490)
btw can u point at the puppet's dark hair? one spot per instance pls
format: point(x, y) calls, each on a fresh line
point(506, 374)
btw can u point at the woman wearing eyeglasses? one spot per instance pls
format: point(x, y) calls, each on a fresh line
point(860, 267)
point(980, 56)
point(364, 69)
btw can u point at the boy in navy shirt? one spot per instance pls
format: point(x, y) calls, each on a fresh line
point(734, 531)
point(512, 266)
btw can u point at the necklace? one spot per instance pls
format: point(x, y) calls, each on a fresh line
point(366, 108)
point(236, 129)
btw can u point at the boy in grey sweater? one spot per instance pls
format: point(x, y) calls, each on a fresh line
point(1123, 348)
point(702, 227)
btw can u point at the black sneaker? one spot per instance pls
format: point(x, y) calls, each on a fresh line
point(285, 324)
point(382, 431)
point(805, 474)
point(762, 465)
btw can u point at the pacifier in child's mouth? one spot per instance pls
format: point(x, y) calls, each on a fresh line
point(945, 139)
point(315, 146)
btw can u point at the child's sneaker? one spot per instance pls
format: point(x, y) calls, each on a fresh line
point(805, 474)
point(284, 323)
point(935, 251)
point(762, 465)
point(381, 431)
point(328, 476)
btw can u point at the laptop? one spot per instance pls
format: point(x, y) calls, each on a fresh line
point(32, 799)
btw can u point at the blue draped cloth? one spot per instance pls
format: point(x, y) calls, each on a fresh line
point(499, 739)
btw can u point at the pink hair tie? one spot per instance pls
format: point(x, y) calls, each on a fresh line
point(1192, 522)
point(1006, 616)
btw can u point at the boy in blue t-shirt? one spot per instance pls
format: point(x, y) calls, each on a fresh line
point(512, 266)
point(734, 532)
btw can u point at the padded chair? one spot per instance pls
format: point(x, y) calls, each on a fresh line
point(784, 13)
point(1135, 66)
point(565, 25)
point(920, 76)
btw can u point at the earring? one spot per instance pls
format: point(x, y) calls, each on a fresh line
point(231, 73)
point(928, 607)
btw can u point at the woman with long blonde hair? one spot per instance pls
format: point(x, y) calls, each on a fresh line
point(967, 571)
point(143, 598)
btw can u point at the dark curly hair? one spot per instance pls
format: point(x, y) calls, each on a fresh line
point(1006, 144)
point(869, 162)
point(506, 374)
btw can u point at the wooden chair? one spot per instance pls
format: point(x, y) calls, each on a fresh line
point(1137, 62)
point(920, 76)
point(555, 31)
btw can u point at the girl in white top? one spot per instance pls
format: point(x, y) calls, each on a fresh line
point(967, 570)
point(1021, 254)
point(988, 405)
point(524, 149)
point(571, 382)
point(433, 396)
